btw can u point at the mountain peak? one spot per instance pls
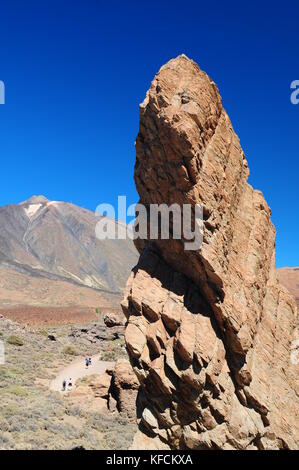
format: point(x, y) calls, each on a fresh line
point(36, 200)
point(57, 239)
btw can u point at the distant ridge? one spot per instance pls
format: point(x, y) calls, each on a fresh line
point(289, 277)
point(56, 240)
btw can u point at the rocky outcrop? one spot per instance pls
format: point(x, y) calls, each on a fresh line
point(97, 333)
point(113, 319)
point(116, 390)
point(209, 331)
point(124, 389)
point(100, 385)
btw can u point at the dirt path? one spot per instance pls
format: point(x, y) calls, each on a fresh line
point(77, 369)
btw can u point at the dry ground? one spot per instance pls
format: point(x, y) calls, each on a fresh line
point(36, 316)
point(18, 288)
point(32, 416)
point(50, 316)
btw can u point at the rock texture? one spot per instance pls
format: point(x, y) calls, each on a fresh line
point(97, 333)
point(289, 277)
point(112, 319)
point(124, 388)
point(116, 390)
point(209, 332)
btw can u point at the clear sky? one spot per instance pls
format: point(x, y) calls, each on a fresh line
point(76, 71)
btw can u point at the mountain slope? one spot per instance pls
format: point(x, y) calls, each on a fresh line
point(289, 277)
point(57, 240)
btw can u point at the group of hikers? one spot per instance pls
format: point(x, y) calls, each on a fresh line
point(88, 361)
point(69, 385)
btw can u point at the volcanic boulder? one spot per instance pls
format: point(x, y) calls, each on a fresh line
point(124, 388)
point(209, 331)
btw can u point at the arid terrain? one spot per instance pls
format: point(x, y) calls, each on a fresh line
point(37, 316)
point(32, 416)
point(59, 284)
point(17, 288)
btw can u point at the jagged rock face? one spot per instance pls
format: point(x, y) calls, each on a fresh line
point(209, 331)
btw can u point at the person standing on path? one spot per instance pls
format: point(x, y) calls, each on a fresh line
point(63, 385)
point(87, 361)
point(70, 385)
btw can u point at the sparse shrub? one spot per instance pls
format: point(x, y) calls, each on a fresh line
point(32, 417)
point(99, 313)
point(75, 411)
point(15, 340)
point(83, 380)
point(117, 430)
point(6, 441)
point(16, 424)
point(9, 372)
point(43, 332)
point(71, 350)
point(17, 390)
point(108, 356)
point(4, 373)
point(4, 426)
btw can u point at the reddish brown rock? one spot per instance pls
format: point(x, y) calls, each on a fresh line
point(209, 331)
point(113, 319)
point(100, 385)
point(124, 389)
point(92, 393)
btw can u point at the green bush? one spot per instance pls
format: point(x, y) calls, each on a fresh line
point(99, 313)
point(108, 356)
point(15, 340)
point(43, 331)
point(9, 372)
point(71, 350)
point(17, 390)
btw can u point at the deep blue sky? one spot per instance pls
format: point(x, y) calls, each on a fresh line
point(76, 71)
